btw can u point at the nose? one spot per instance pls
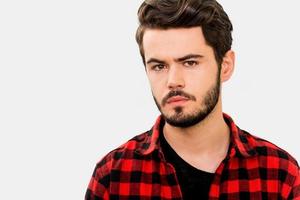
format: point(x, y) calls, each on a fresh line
point(175, 78)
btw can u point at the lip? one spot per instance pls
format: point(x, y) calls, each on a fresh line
point(177, 99)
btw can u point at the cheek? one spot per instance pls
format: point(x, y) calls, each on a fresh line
point(197, 80)
point(157, 89)
point(200, 83)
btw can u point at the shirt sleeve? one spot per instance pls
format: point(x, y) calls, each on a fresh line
point(295, 193)
point(99, 183)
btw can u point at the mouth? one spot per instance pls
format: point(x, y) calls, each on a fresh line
point(177, 100)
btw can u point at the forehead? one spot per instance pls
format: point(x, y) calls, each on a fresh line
point(174, 42)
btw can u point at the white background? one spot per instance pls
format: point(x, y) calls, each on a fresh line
point(73, 87)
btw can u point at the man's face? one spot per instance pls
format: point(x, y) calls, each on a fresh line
point(183, 74)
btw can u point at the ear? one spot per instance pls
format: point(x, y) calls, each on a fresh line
point(227, 66)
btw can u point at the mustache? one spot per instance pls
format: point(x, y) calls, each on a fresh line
point(177, 93)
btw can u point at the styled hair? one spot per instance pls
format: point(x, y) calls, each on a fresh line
point(207, 14)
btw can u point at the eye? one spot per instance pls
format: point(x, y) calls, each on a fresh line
point(158, 67)
point(190, 63)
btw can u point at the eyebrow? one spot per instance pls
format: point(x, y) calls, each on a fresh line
point(154, 60)
point(189, 56)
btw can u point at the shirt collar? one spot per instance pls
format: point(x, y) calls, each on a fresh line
point(241, 143)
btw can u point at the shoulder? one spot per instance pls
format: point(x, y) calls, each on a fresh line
point(113, 163)
point(272, 155)
point(126, 151)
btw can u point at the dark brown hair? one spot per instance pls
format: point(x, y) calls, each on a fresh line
point(208, 14)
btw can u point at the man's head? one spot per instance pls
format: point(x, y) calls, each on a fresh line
point(208, 14)
point(185, 46)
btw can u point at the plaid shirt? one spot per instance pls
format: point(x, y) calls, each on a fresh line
point(253, 169)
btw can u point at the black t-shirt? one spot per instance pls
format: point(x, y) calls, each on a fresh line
point(194, 183)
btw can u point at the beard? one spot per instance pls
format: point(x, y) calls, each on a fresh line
point(184, 120)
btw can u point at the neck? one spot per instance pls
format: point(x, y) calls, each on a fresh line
point(209, 139)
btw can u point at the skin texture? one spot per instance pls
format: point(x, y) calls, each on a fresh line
point(186, 80)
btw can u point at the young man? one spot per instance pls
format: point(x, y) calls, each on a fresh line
point(194, 150)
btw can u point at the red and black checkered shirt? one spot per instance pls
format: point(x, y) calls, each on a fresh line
point(253, 169)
